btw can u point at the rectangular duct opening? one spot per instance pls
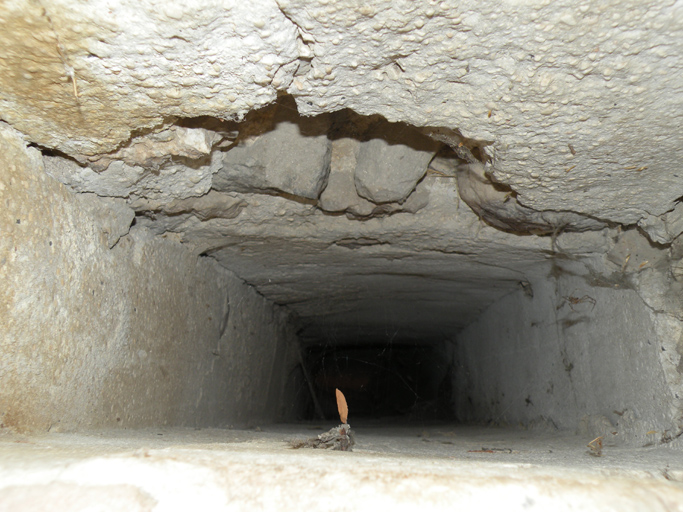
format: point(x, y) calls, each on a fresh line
point(132, 357)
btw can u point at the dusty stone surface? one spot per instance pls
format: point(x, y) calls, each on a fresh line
point(291, 155)
point(340, 194)
point(548, 85)
point(172, 181)
point(664, 229)
point(75, 74)
point(499, 206)
point(214, 205)
point(384, 274)
point(602, 371)
point(564, 97)
point(93, 315)
point(157, 149)
point(433, 467)
point(391, 162)
point(547, 115)
point(368, 175)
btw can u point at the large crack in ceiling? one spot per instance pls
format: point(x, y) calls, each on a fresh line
point(446, 152)
point(358, 225)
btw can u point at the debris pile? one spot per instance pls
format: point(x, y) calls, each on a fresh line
point(339, 438)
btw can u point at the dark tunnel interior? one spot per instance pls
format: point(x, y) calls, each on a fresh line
point(382, 380)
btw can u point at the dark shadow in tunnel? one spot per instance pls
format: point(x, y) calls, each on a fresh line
point(405, 382)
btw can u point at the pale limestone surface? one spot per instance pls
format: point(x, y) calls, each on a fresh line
point(83, 78)
point(567, 98)
point(529, 78)
point(122, 180)
point(605, 362)
point(106, 326)
point(292, 155)
point(390, 164)
point(557, 119)
point(392, 467)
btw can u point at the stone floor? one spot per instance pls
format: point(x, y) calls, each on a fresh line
point(433, 467)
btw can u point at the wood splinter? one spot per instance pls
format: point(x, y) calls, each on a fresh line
point(595, 447)
point(341, 406)
point(338, 438)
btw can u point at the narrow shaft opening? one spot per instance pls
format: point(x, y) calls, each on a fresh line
point(342, 251)
point(464, 216)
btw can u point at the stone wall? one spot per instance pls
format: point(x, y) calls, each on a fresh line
point(287, 142)
point(104, 325)
point(570, 354)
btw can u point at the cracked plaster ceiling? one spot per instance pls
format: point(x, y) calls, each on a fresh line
point(444, 145)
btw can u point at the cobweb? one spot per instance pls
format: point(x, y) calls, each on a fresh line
point(386, 378)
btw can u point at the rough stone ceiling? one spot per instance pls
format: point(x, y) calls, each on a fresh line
point(552, 117)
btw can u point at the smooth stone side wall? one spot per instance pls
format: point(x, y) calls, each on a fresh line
point(100, 328)
point(546, 361)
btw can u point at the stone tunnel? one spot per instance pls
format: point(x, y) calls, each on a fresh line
point(465, 216)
